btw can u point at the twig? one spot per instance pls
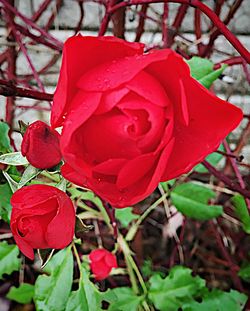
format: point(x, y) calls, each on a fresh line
point(8, 89)
point(226, 180)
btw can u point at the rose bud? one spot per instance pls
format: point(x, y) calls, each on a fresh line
point(42, 217)
point(101, 263)
point(131, 120)
point(40, 145)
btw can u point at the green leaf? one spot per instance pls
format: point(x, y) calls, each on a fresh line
point(122, 299)
point(217, 300)
point(87, 297)
point(202, 70)
point(4, 138)
point(13, 158)
point(244, 272)
point(178, 287)
point(5, 206)
point(208, 80)
point(23, 294)
point(29, 173)
point(52, 292)
point(241, 211)
point(62, 185)
point(12, 183)
point(213, 158)
point(125, 216)
point(9, 260)
point(191, 200)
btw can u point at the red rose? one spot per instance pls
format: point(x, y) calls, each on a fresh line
point(42, 217)
point(131, 120)
point(101, 263)
point(40, 145)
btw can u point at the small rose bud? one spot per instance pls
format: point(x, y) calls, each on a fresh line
point(40, 145)
point(101, 263)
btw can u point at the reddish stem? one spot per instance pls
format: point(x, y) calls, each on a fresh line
point(27, 21)
point(8, 89)
point(199, 5)
point(165, 26)
point(236, 170)
point(140, 28)
point(226, 180)
point(233, 267)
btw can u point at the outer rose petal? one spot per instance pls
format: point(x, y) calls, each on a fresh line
point(97, 254)
point(93, 52)
point(24, 247)
point(138, 191)
point(60, 230)
point(35, 196)
point(113, 74)
point(72, 175)
point(210, 120)
point(88, 102)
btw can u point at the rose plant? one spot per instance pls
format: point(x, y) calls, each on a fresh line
point(132, 119)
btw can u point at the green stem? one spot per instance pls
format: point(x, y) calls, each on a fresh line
point(77, 259)
point(132, 231)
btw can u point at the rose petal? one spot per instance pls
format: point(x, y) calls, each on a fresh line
point(110, 100)
point(111, 166)
point(72, 175)
point(149, 88)
point(37, 227)
point(105, 137)
point(110, 260)
point(156, 116)
point(211, 119)
point(23, 199)
point(24, 247)
point(97, 254)
point(113, 74)
point(169, 74)
point(84, 104)
point(60, 230)
point(100, 270)
point(135, 169)
point(139, 190)
point(80, 54)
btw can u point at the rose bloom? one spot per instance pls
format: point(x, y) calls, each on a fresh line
point(42, 217)
point(101, 263)
point(131, 120)
point(40, 145)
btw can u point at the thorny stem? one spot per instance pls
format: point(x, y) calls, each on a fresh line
point(9, 89)
point(199, 5)
point(231, 185)
point(236, 170)
point(226, 255)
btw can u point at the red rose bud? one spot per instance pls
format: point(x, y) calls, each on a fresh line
point(131, 120)
point(42, 217)
point(101, 263)
point(40, 145)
